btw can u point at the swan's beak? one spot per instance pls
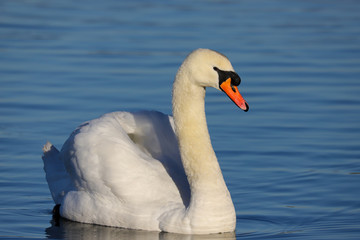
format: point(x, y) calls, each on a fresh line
point(234, 94)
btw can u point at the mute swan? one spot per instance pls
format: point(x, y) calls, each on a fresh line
point(147, 170)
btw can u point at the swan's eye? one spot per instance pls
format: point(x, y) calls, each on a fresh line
point(224, 75)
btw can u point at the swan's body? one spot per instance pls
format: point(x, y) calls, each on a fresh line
point(131, 170)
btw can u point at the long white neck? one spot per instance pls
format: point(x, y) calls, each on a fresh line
point(210, 204)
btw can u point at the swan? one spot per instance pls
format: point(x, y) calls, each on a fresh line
point(147, 170)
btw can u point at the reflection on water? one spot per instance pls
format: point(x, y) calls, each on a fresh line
point(65, 229)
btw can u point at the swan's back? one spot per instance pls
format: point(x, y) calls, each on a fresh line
point(121, 166)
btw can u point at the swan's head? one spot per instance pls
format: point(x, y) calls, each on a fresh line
point(208, 68)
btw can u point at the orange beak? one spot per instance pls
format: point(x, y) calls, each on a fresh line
point(234, 94)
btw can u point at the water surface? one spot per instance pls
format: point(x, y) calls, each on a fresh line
point(292, 163)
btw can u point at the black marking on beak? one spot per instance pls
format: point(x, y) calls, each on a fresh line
point(224, 75)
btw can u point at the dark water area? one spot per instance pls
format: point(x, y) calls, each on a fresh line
point(292, 163)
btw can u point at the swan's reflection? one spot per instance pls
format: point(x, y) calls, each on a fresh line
point(65, 229)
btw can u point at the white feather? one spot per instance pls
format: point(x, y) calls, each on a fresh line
point(127, 169)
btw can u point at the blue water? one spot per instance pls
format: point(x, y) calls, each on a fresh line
point(292, 163)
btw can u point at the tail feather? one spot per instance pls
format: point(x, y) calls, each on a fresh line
point(56, 175)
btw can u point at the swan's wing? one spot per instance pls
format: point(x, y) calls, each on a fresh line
point(154, 134)
point(125, 164)
point(56, 175)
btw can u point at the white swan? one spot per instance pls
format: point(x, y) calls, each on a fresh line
point(132, 170)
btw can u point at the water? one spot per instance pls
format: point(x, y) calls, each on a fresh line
point(292, 163)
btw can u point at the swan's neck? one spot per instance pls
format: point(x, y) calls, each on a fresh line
point(197, 154)
point(210, 201)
